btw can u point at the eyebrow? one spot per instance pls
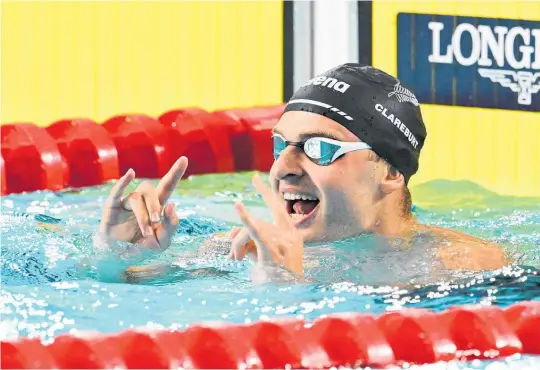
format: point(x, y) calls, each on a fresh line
point(307, 135)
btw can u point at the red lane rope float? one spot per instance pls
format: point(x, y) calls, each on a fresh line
point(210, 346)
point(88, 149)
point(138, 350)
point(414, 336)
point(239, 138)
point(69, 352)
point(204, 141)
point(253, 135)
point(142, 144)
point(26, 354)
point(352, 339)
point(481, 332)
point(524, 319)
point(281, 343)
point(3, 186)
point(32, 159)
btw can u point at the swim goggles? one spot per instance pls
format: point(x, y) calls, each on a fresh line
point(320, 150)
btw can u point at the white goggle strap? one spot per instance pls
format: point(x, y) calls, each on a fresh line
point(346, 147)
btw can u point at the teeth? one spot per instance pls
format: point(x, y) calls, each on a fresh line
point(296, 216)
point(291, 196)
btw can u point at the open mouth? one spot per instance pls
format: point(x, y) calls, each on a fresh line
point(301, 207)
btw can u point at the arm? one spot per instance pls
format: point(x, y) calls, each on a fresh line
point(465, 252)
point(218, 244)
point(167, 272)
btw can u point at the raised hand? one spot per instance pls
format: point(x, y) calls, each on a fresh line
point(279, 242)
point(137, 218)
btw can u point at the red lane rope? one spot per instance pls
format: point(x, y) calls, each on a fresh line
point(414, 336)
point(80, 152)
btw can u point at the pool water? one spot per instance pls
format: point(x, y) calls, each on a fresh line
point(53, 281)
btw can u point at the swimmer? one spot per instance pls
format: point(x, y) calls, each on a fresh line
point(345, 149)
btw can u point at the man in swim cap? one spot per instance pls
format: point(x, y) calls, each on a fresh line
point(345, 149)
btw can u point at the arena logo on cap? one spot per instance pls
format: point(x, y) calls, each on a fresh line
point(469, 61)
point(329, 82)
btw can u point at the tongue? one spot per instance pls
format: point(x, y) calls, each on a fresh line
point(304, 206)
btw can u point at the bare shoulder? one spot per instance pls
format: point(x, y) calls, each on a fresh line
point(461, 251)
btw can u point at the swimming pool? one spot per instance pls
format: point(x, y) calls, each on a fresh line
point(54, 282)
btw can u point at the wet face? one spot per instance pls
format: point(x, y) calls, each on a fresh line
point(327, 203)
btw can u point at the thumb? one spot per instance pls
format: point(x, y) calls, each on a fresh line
point(240, 244)
point(168, 226)
point(234, 231)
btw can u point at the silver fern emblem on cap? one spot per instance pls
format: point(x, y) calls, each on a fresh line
point(403, 95)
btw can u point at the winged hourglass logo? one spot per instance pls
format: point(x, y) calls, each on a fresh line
point(522, 82)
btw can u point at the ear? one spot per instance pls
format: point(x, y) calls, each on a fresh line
point(392, 181)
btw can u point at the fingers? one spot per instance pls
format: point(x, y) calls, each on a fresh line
point(151, 200)
point(136, 203)
point(241, 244)
point(168, 227)
point(274, 202)
point(170, 217)
point(234, 232)
point(169, 182)
point(247, 220)
point(150, 215)
point(254, 230)
point(118, 189)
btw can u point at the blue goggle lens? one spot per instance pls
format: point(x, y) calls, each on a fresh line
point(279, 146)
point(316, 149)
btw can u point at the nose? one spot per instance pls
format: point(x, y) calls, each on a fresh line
point(288, 164)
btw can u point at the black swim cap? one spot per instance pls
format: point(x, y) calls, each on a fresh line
point(372, 105)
